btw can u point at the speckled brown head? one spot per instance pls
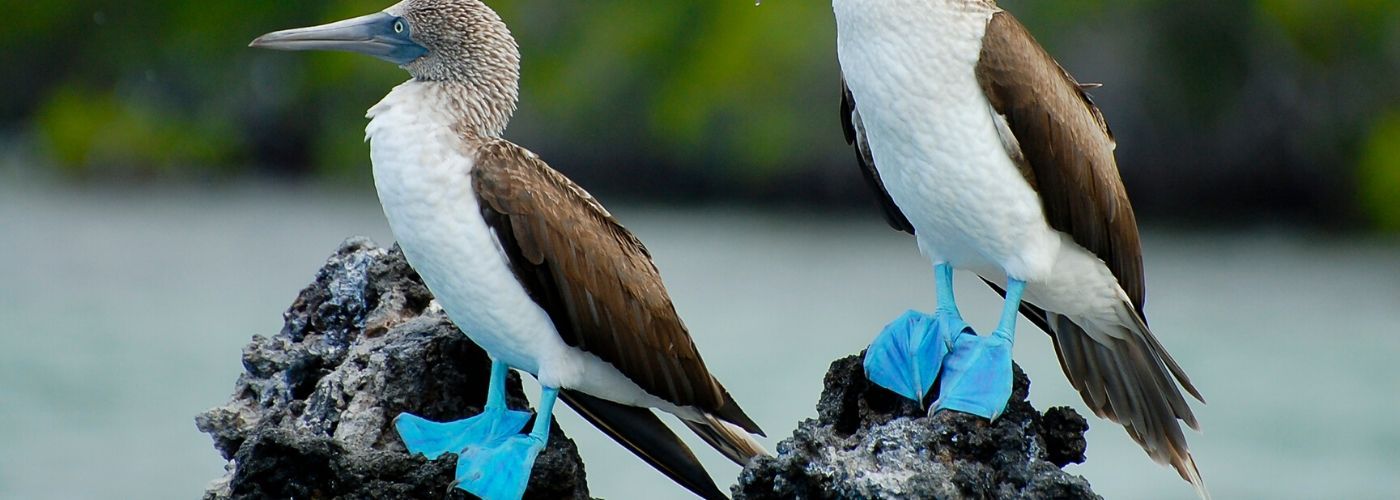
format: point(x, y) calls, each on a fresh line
point(465, 41)
point(461, 43)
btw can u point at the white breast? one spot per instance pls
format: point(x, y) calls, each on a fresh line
point(910, 66)
point(422, 173)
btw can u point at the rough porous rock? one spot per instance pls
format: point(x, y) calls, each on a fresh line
point(868, 442)
point(312, 415)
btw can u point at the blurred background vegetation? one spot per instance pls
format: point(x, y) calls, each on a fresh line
point(165, 190)
point(1272, 111)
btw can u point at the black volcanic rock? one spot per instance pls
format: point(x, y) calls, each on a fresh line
point(868, 442)
point(312, 415)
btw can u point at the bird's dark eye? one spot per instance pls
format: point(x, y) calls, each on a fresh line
point(398, 26)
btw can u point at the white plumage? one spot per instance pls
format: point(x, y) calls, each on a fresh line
point(422, 174)
point(938, 147)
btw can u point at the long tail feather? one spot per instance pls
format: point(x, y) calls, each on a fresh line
point(642, 433)
point(1131, 380)
point(1128, 381)
point(728, 439)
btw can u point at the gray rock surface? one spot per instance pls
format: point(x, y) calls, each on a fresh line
point(870, 443)
point(312, 415)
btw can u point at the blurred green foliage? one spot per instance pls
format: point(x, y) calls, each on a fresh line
point(86, 129)
point(1203, 93)
point(1380, 173)
point(163, 86)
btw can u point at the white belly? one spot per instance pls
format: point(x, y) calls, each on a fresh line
point(933, 135)
point(423, 177)
point(424, 185)
point(910, 65)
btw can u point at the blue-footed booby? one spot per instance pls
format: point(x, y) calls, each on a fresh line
point(527, 263)
point(979, 144)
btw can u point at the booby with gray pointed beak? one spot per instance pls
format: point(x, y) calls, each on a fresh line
point(527, 263)
point(995, 159)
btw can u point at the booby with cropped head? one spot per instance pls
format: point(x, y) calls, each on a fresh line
point(979, 144)
point(529, 265)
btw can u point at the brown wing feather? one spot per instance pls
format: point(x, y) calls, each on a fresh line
point(594, 278)
point(1066, 151)
point(1067, 145)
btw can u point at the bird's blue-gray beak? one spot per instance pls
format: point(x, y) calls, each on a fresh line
point(381, 35)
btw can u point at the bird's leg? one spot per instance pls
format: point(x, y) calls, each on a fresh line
point(908, 354)
point(977, 373)
point(493, 425)
point(943, 275)
point(1007, 327)
point(502, 471)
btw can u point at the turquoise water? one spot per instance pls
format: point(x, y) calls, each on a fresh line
point(122, 315)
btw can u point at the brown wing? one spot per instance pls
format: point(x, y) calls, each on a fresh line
point(594, 278)
point(1066, 153)
point(1067, 146)
point(855, 136)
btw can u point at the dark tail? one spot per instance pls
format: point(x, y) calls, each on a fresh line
point(1131, 380)
point(642, 433)
point(729, 439)
point(727, 429)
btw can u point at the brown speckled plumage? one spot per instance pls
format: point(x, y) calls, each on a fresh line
point(471, 51)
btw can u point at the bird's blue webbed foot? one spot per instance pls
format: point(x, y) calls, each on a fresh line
point(502, 470)
point(493, 425)
point(977, 374)
point(909, 353)
point(433, 439)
